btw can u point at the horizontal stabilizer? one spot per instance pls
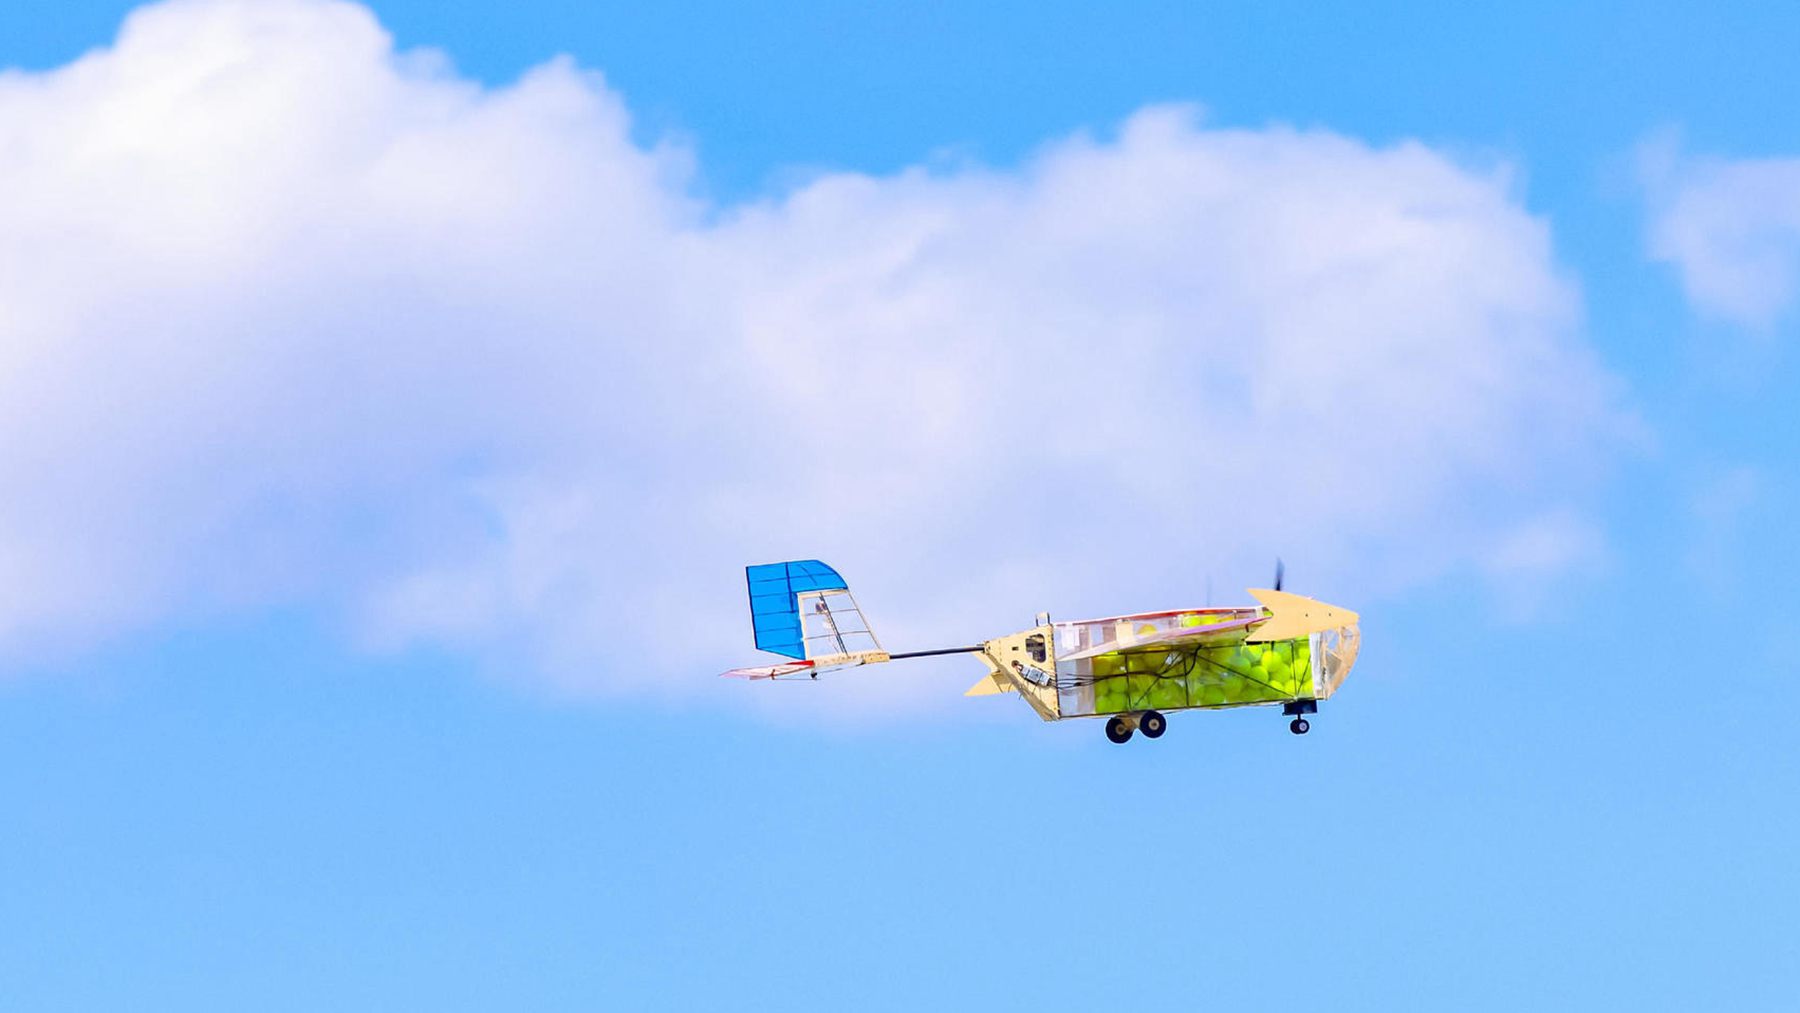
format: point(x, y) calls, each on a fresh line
point(1293, 615)
point(810, 669)
point(769, 671)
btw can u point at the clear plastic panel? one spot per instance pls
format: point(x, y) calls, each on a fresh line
point(833, 627)
point(1337, 654)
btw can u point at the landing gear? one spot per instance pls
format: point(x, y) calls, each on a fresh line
point(1296, 708)
point(1120, 726)
point(1119, 730)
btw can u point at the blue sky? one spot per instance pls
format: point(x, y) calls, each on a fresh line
point(385, 436)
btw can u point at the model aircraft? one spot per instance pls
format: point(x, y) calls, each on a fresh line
point(1130, 669)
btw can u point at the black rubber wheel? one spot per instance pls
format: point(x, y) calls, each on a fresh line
point(1299, 726)
point(1153, 724)
point(1118, 731)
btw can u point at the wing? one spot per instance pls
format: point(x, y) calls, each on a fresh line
point(1281, 616)
point(1217, 629)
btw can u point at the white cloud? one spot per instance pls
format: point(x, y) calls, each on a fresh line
point(1545, 545)
point(287, 317)
point(1731, 227)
